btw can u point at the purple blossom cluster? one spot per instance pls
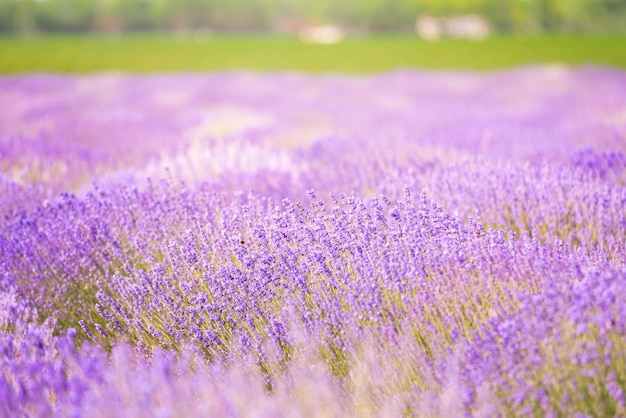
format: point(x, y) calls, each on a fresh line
point(237, 244)
point(524, 362)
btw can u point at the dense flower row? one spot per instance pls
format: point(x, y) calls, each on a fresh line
point(407, 243)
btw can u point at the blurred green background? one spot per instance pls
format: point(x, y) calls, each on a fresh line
point(78, 36)
point(506, 16)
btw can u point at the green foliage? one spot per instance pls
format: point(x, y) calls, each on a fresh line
point(528, 16)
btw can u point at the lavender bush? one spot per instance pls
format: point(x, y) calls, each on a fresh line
point(238, 244)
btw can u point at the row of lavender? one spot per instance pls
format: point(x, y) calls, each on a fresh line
point(408, 243)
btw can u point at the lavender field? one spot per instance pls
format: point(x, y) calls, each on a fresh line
point(239, 244)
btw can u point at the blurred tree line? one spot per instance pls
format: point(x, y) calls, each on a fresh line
point(506, 16)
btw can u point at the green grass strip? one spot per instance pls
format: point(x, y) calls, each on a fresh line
point(167, 53)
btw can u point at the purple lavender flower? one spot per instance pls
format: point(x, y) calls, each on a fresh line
point(237, 243)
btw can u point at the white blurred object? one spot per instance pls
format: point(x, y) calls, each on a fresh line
point(469, 26)
point(428, 27)
point(325, 35)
